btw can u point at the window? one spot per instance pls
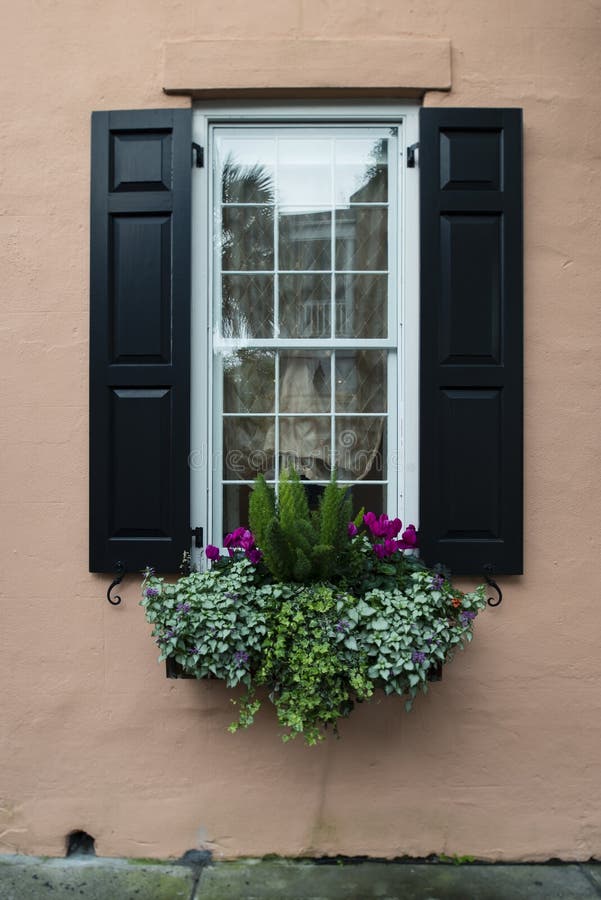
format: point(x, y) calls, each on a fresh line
point(297, 320)
point(305, 220)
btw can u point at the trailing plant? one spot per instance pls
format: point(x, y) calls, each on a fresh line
point(319, 609)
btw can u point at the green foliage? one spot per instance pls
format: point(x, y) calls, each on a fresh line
point(456, 860)
point(321, 621)
point(297, 546)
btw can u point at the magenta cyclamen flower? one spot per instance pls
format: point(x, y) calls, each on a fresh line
point(352, 529)
point(212, 552)
point(382, 527)
point(409, 538)
point(386, 549)
point(243, 539)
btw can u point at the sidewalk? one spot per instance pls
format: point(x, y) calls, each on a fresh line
point(91, 878)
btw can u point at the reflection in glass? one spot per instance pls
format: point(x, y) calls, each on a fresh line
point(361, 305)
point(246, 168)
point(362, 238)
point(247, 238)
point(249, 382)
point(248, 447)
point(247, 306)
point(304, 172)
point(235, 506)
point(305, 443)
point(305, 306)
point(304, 239)
point(305, 381)
point(361, 171)
point(360, 377)
point(370, 497)
point(359, 447)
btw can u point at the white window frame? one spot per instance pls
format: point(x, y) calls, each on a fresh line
point(405, 456)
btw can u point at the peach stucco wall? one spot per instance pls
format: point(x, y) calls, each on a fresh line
point(501, 760)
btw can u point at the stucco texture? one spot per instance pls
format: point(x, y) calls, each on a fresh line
point(501, 760)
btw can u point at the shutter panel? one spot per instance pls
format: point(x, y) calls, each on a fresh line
point(140, 339)
point(471, 339)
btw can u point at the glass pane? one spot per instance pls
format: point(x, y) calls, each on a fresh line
point(305, 443)
point(247, 306)
point(305, 306)
point(247, 237)
point(304, 239)
point(362, 237)
point(359, 447)
point(304, 172)
point(370, 497)
point(361, 171)
point(246, 168)
point(305, 381)
point(249, 382)
point(361, 381)
point(248, 447)
point(235, 506)
point(361, 306)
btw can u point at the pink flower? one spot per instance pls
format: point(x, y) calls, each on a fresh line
point(352, 529)
point(383, 526)
point(409, 538)
point(255, 556)
point(212, 552)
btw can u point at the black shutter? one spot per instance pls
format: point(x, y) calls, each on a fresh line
point(140, 339)
point(471, 339)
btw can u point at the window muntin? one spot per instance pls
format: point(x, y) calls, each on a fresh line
point(305, 300)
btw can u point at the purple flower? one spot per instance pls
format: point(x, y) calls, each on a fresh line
point(254, 555)
point(352, 529)
point(409, 538)
point(437, 582)
point(151, 592)
point(466, 616)
point(212, 552)
point(148, 571)
point(418, 657)
point(183, 607)
point(389, 547)
point(231, 596)
point(194, 650)
point(171, 633)
point(240, 657)
point(342, 625)
point(382, 527)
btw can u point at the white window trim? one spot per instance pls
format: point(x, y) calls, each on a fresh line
point(406, 456)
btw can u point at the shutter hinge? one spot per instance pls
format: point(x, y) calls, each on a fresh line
point(197, 534)
point(198, 156)
point(411, 155)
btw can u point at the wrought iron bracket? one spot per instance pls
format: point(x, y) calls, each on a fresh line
point(120, 572)
point(489, 572)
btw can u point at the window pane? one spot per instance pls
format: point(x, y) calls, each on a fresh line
point(359, 447)
point(249, 382)
point(362, 238)
point(360, 377)
point(235, 506)
point(361, 171)
point(305, 383)
point(304, 172)
point(305, 443)
point(304, 239)
point(247, 306)
point(305, 306)
point(370, 497)
point(362, 306)
point(248, 446)
point(247, 238)
point(246, 168)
